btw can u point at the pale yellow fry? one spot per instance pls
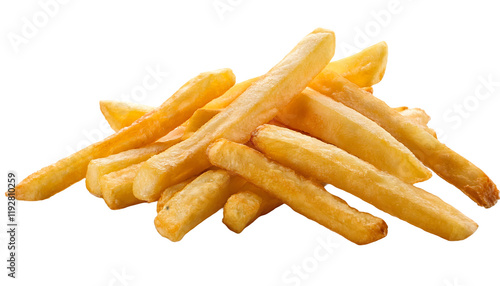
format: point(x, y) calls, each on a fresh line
point(335, 123)
point(175, 110)
point(332, 165)
point(244, 207)
point(365, 68)
point(102, 166)
point(169, 192)
point(301, 194)
point(122, 114)
point(442, 160)
point(258, 104)
point(116, 187)
point(195, 202)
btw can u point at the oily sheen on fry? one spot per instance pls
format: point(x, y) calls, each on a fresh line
point(301, 194)
point(258, 104)
point(175, 110)
point(329, 164)
point(445, 162)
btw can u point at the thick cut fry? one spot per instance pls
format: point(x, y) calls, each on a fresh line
point(301, 194)
point(194, 203)
point(169, 192)
point(124, 114)
point(102, 166)
point(365, 68)
point(116, 187)
point(335, 123)
point(175, 110)
point(332, 165)
point(244, 207)
point(442, 160)
point(258, 104)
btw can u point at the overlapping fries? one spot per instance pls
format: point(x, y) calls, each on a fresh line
point(216, 144)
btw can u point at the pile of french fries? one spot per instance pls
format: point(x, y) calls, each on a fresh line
point(275, 139)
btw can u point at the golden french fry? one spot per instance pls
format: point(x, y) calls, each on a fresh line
point(116, 187)
point(365, 68)
point(335, 123)
point(175, 110)
point(123, 114)
point(332, 165)
point(197, 201)
point(200, 117)
point(169, 192)
point(258, 104)
point(102, 166)
point(301, 194)
point(442, 160)
point(244, 207)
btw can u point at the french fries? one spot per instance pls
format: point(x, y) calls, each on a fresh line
point(175, 110)
point(446, 163)
point(244, 207)
point(334, 123)
point(193, 153)
point(301, 194)
point(197, 201)
point(365, 68)
point(331, 165)
point(116, 187)
point(169, 192)
point(258, 104)
point(102, 166)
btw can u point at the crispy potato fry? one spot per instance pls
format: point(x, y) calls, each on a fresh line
point(123, 114)
point(301, 194)
point(200, 117)
point(175, 110)
point(169, 192)
point(102, 166)
point(442, 160)
point(365, 68)
point(335, 123)
point(195, 202)
point(116, 187)
point(242, 208)
point(332, 165)
point(258, 104)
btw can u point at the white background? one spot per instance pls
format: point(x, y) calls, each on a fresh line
point(93, 50)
